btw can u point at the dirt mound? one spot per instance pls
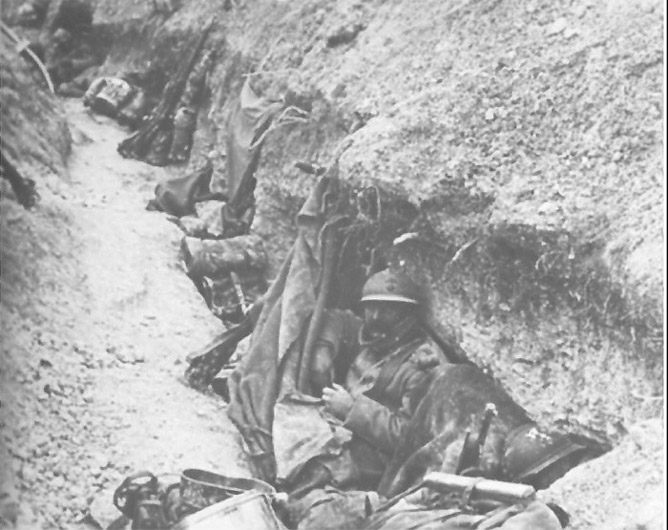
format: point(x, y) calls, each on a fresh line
point(634, 469)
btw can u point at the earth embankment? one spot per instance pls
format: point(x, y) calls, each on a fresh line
point(528, 138)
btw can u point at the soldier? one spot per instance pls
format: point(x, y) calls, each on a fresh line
point(409, 414)
point(382, 384)
point(66, 56)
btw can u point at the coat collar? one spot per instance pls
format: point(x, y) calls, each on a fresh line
point(404, 332)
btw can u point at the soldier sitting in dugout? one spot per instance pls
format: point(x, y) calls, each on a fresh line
point(371, 373)
point(391, 386)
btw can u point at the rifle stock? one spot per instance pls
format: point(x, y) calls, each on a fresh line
point(206, 362)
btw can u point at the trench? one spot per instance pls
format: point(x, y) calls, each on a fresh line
point(92, 373)
point(536, 308)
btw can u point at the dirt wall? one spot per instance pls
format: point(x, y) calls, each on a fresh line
point(528, 135)
point(35, 137)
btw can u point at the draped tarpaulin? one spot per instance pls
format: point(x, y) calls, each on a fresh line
point(250, 116)
point(269, 371)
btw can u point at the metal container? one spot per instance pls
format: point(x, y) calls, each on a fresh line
point(200, 488)
point(248, 511)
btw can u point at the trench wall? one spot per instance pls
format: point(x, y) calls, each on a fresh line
point(528, 137)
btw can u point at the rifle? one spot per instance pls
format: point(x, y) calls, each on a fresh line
point(469, 458)
point(137, 145)
point(453, 352)
point(330, 248)
point(206, 362)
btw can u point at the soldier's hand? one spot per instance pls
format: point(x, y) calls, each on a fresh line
point(338, 401)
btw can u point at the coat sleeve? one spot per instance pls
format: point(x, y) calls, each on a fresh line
point(334, 349)
point(383, 426)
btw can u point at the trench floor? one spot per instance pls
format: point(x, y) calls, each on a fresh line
point(95, 347)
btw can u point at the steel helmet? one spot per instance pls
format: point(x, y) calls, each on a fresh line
point(531, 451)
point(386, 286)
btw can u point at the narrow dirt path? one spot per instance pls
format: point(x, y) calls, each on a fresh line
point(94, 364)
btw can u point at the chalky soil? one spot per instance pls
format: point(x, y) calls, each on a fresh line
point(97, 318)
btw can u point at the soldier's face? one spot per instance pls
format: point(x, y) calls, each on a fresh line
point(381, 317)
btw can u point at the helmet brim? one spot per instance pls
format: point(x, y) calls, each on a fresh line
point(388, 298)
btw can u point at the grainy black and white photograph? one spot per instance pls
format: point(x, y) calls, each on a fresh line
point(332, 265)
